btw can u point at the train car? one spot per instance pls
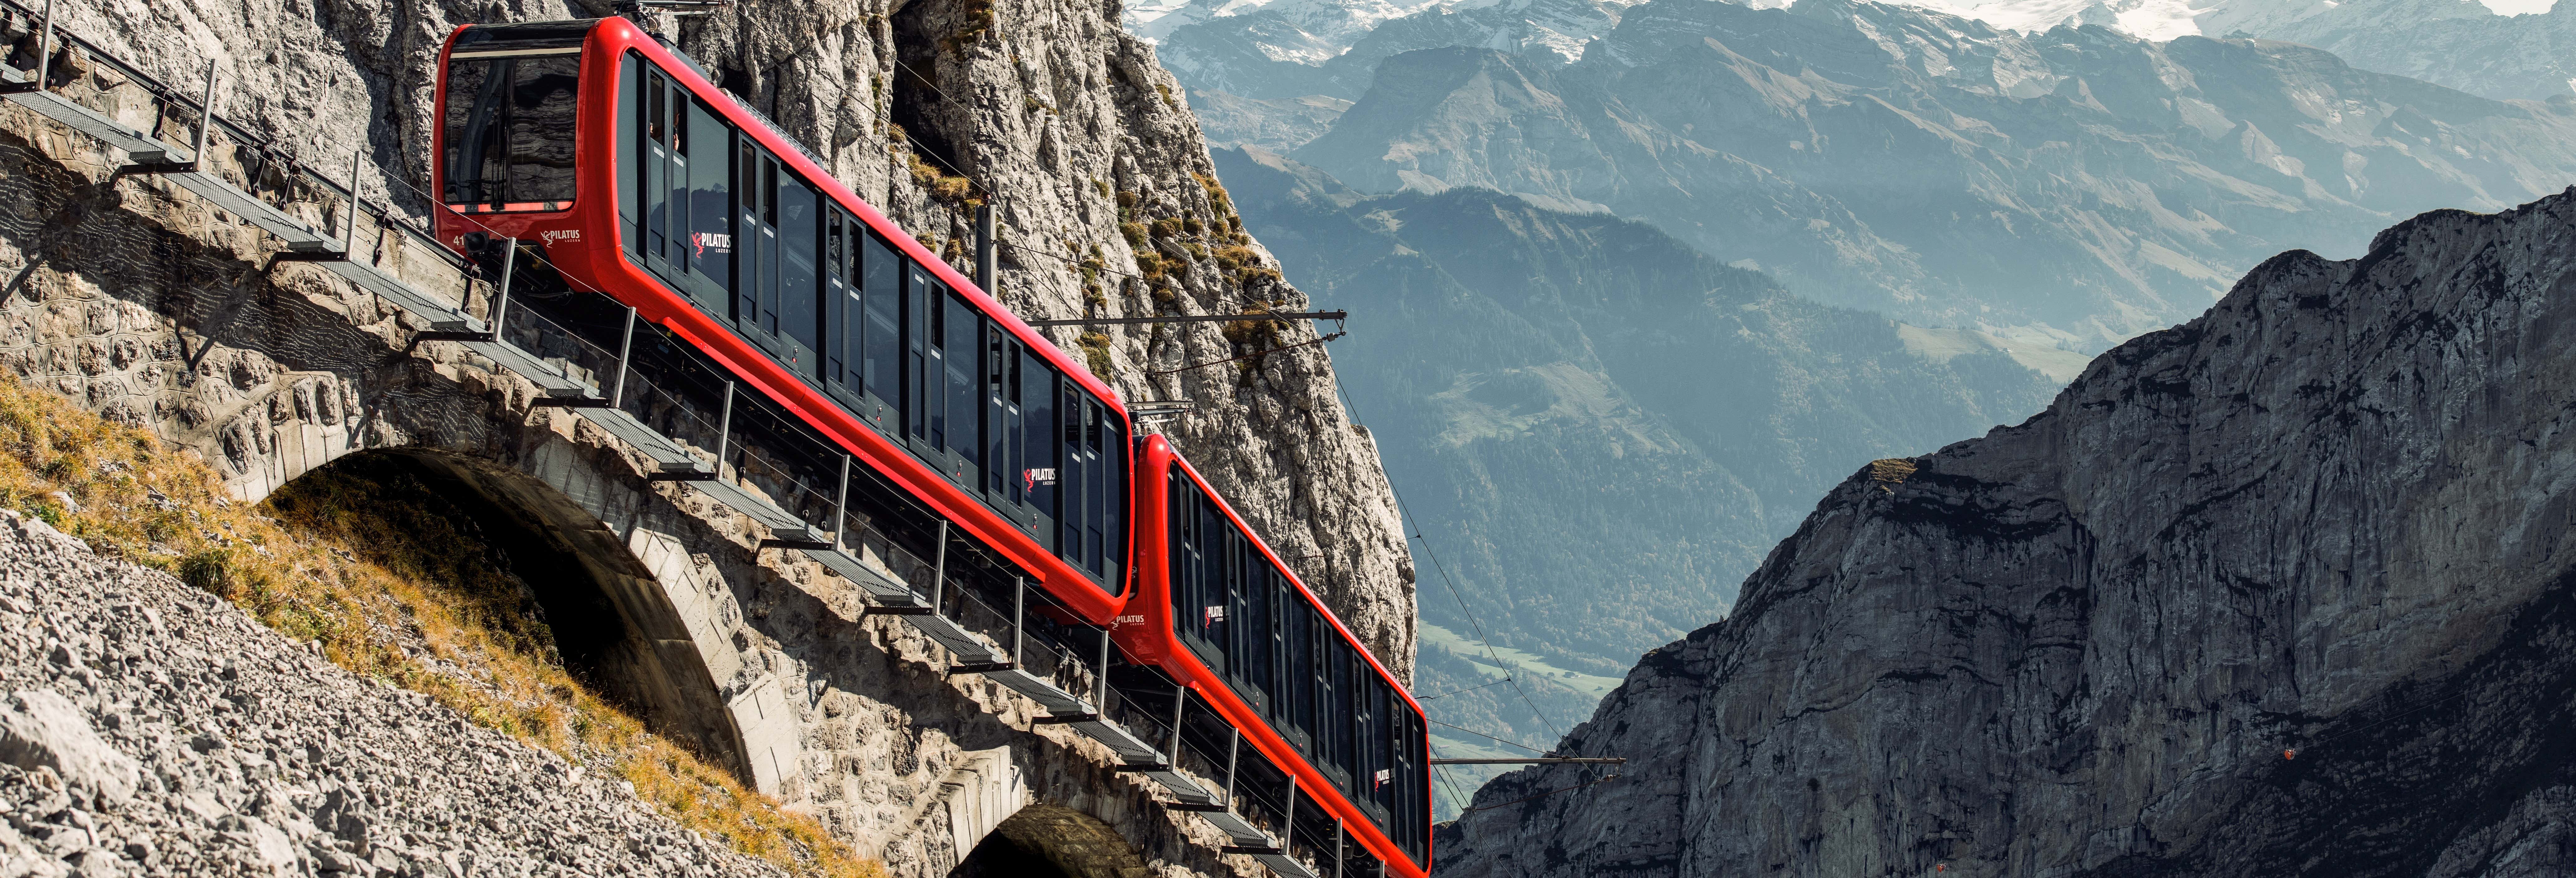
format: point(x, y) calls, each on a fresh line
point(1223, 614)
point(645, 182)
point(647, 187)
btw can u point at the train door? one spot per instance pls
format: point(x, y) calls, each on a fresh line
point(800, 319)
point(681, 226)
point(1003, 424)
point(878, 352)
point(841, 304)
point(925, 398)
point(756, 302)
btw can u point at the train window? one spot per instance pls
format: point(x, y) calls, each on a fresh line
point(840, 319)
point(1001, 416)
point(707, 249)
point(920, 363)
point(881, 283)
point(630, 118)
point(799, 274)
point(962, 342)
point(1300, 636)
point(1252, 636)
point(509, 131)
point(759, 240)
point(1039, 450)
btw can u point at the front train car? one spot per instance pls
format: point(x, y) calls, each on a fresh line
point(628, 180)
point(1221, 612)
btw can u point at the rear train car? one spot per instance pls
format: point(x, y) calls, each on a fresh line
point(637, 191)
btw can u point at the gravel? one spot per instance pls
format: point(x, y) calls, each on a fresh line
point(151, 728)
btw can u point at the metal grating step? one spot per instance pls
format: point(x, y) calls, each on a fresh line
point(884, 588)
point(1056, 701)
point(666, 454)
point(1129, 747)
point(969, 647)
point(299, 236)
point(1286, 866)
point(788, 526)
point(91, 122)
point(1241, 830)
point(538, 372)
point(438, 315)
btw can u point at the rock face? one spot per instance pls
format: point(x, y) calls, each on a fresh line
point(2080, 183)
point(261, 758)
point(1544, 376)
point(2326, 517)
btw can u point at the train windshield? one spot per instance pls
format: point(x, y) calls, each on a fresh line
point(509, 128)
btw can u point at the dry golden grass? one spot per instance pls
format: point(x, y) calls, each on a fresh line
point(369, 562)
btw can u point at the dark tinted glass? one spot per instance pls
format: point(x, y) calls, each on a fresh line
point(708, 143)
point(964, 330)
point(509, 130)
point(881, 282)
point(799, 274)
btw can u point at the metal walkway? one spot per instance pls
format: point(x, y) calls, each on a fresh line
point(442, 320)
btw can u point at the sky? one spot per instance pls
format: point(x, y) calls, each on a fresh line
point(2518, 7)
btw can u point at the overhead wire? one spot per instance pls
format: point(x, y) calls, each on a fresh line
point(1491, 738)
point(1406, 513)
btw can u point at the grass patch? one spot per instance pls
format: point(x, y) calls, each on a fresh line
point(391, 586)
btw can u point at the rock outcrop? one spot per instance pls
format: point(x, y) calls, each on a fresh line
point(154, 729)
point(2326, 520)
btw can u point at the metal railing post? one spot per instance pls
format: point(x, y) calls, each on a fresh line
point(349, 237)
point(939, 573)
point(1100, 676)
point(841, 505)
point(724, 430)
point(1233, 748)
point(1288, 825)
point(1337, 847)
point(1180, 702)
point(45, 46)
point(501, 303)
point(205, 117)
point(1019, 616)
point(626, 346)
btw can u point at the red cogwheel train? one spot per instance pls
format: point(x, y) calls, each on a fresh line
point(645, 183)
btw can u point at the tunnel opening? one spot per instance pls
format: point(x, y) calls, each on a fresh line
point(543, 575)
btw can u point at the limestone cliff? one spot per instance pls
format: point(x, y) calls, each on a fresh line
point(2328, 517)
point(1045, 105)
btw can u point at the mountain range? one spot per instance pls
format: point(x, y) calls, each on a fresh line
point(1598, 429)
point(2078, 186)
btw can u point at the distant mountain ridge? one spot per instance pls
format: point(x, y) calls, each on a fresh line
point(2079, 185)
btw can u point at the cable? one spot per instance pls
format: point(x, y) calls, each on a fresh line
point(1490, 737)
point(1405, 511)
point(1506, 679)
point(1541, 795)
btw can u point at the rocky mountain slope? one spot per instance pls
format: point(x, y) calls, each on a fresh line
point(2284, 590)
point(154, 729)
point(2079, 185)
point(1600, 430)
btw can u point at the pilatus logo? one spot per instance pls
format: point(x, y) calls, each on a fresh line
point(717, 241)
point(1127, 620)
point(563, 235)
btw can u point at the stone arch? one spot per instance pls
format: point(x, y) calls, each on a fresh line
point(629, 611)
point(1044, 841)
